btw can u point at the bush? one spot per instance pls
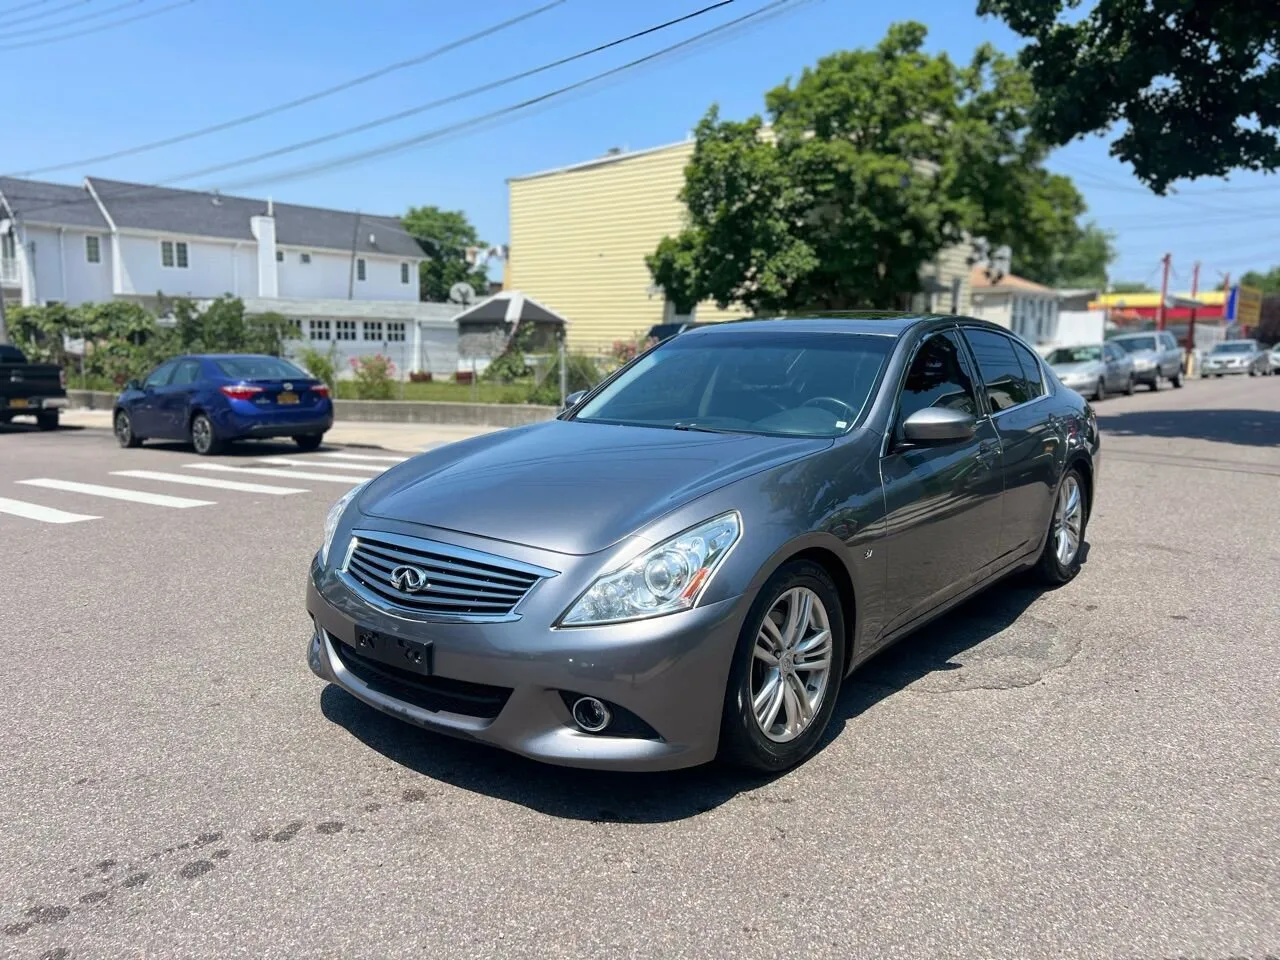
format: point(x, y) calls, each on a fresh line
point(583, 375)
point(322, 366)
point(374, 376)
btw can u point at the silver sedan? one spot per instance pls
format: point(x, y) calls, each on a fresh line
point(1093, 370)
point(1237, 357)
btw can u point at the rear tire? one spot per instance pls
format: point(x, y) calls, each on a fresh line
point(123, 427)
point(1060, 560)
point(203, 438)
point(1177, 380)
point(47, 421)
point(309, 441)
point(769, 667)
point(1155, 383)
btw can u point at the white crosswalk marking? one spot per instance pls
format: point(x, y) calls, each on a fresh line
point(268, 472)
point(118, 493)
point(207, 482)
point(361, 456)
point(33, 511)
point(376, 468)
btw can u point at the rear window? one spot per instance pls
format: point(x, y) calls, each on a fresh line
point(11, 355)
point(260, 368)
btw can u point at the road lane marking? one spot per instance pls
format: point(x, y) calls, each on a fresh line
point(268, 472)
point(207, 482)
point(33, 511)
point(118, 493)
point(376, 468)
point(361, 456)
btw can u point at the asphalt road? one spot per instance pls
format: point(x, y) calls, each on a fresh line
point(1088, 772)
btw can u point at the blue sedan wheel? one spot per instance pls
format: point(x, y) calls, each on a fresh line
point(203, 438)
point(124, 430)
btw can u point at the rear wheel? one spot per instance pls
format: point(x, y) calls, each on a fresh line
point(203, 438)
point(786, 671)
point(309, 441)
point(1060, 559)
point(47, 421)
point(123, 426)
point(1177, 380)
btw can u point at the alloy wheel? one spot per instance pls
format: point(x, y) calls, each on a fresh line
point(791, 665)
point(1068, 520)
point(124, 431)
point(201, 434)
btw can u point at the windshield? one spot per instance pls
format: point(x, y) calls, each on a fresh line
point(1074, 355)
point(1135, 344)
point(1242, 346)
point(260, 368)
point(792, 384)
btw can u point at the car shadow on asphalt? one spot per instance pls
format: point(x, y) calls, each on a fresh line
point(247, 449)
point(21, 428)
point(676, 795)
point(1254, 428)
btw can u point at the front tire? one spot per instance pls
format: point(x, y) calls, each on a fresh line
point(1129, 387)
point(1177, 380)
point(203, 438)
point(123, 427)
point(309, 441)
point(1155, 382)
point(1100, 391)
point(1060, 559)
point(47, 421)
point(786, 671)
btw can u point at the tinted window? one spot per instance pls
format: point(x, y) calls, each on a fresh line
point(188, 372)
point(160, 376)
point(1075, 355)
point(998, 366)
point(260, 368)
point(797, 384)
point(1030, 370)
point(1136, 344)
point(1239, 346)
point(11, 355)
point(937, 378)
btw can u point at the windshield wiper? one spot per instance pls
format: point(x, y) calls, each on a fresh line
point(703, 428)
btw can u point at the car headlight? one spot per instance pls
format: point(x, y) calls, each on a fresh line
point(1144, 363)
point(665, 579)
point(335, 517)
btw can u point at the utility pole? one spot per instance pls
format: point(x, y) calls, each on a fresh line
point(1167, 260)
point(351, 277)
point(1191, 324)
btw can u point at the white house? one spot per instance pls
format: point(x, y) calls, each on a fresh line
point(1028, 309)
point(349, 280)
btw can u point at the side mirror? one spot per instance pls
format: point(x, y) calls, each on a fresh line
point(133, 385)
point(573, 399)
point(938, 425)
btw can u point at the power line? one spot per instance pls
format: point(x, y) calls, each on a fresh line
point(487, 118)
point(24, 6)
point(100, 28)
point(46, 13)
point(299, 101)
point(442, 101)
point(71, 21)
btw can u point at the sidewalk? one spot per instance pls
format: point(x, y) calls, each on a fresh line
point(409, 437)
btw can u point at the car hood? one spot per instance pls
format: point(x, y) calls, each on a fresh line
point(1077, 369)
point(568, 486)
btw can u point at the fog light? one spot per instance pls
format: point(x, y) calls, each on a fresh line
point(591, 714)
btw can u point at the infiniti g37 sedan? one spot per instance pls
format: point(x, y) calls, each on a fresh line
point(690, 560)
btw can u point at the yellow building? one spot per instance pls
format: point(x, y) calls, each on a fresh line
point(579, 236)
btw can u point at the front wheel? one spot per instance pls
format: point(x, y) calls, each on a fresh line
point(1100, 391)
point(1060, 559)
point(47, 421)
point(1129, 386)
point(1177, 380)
point(309, 441)
point(123, 427)
point(786, 671)
point(203, 438)
point(1155, 382)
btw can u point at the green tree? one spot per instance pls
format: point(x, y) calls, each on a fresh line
point(1195, 84)
point(445, 235)
point(1130, 286)
point(223, 326)
point(872, 162)
point(1268, 283)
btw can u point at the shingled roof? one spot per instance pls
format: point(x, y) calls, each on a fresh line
point(167, 210)
point(55, 203)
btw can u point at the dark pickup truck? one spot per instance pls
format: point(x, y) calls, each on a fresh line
point(30, 389)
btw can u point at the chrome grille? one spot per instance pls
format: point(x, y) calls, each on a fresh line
point(460, 584)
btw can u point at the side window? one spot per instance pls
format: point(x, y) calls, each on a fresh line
point(160, 376)
point(188, 372)
point(1030, 370)
point(937, 378)
point(998, 366)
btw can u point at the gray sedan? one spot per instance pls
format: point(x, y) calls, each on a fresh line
point(1093, 369)
point(689, 561)
point(1236, 357)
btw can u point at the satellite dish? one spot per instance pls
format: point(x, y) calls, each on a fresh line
point(462, 293)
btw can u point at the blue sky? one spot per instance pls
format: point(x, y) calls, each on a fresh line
point(212, 60)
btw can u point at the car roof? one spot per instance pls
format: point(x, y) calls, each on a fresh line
point(1140, 333)
point(869, 323)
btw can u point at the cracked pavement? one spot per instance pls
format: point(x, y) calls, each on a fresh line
point(1087, 772)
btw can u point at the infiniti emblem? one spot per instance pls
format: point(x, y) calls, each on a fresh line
point(409, 579)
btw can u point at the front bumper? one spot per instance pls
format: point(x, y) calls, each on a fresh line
point(1216, 370)
point(669, 672)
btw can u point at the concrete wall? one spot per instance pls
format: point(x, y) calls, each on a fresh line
point(60, 267)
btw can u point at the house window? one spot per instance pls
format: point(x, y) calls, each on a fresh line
point(93, 249)
point(404, 273)
point(346, 330)
point(373, 329)
point(295, 328)
point(304, 258)
point(8, 248)
point(279, 256)
point(395, 332)
point(174, 254)
point(360, 269)
point(319, 329)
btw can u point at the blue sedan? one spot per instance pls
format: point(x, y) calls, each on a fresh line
point(212, 400)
